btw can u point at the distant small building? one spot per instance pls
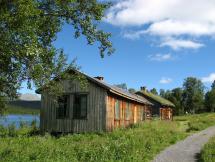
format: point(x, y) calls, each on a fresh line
point(100, 107)
point(161, 106)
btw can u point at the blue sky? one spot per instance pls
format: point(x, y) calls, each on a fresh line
point(157, 45)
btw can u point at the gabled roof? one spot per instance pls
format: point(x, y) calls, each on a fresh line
point(118, 91)
point(159, 99)
point(112, 89)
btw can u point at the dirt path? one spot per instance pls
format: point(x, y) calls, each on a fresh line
point(187, 150)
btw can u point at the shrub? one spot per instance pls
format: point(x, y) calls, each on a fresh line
point(12, 130)
point(22, 124)
point(3, 131)
point(34, 130)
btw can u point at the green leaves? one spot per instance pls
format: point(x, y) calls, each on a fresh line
point(27, 31)
point(193, 95)
point(210, 101)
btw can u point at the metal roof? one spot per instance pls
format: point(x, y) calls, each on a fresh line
point(118, 91)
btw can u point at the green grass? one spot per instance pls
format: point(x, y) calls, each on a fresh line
point(208, 152)
point(21, 110)
point(139, 143)
point(193, 123)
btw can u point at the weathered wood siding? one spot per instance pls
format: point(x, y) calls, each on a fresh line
point(137, 112)
point(166, 113)
point(96, 111)
point(148, 112)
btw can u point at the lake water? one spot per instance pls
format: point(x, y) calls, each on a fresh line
point(16, 119)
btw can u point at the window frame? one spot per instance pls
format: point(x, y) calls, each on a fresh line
point(66, 113)
point(128, 111)
point(117, 102)
point(75, 115)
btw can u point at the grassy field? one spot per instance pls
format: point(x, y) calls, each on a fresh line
point(139, 143)
point(208, 152)
point(21, 110)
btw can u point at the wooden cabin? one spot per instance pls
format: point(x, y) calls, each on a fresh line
point(161, 107)
point(100, 107)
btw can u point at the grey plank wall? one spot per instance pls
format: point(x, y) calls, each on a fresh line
point(96, 110)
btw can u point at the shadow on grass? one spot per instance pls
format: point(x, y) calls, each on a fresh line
point(198, 157)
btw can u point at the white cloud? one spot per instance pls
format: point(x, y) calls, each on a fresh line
point(133, 34)
point(209, 79)
point(169, 14)
point(174, 43)
point(177, 44)
point(166, 18)
point(160, 57)
point(165, 80)
point(179, 27)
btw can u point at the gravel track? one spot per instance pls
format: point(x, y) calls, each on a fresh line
point(187, 150)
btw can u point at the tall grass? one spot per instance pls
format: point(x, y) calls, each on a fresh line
point(139, 143)
point(24, 130)
point(208, 152)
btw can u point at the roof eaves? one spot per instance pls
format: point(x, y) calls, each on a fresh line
point(131, 98)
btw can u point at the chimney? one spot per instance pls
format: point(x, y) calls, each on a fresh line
point(99, 78)
point(143, 88)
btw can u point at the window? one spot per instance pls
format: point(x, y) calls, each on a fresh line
point(62, 109)
point(117, 110)
point(80, 106)
point(140, 111)
point(127, 112)
point(142, 114)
